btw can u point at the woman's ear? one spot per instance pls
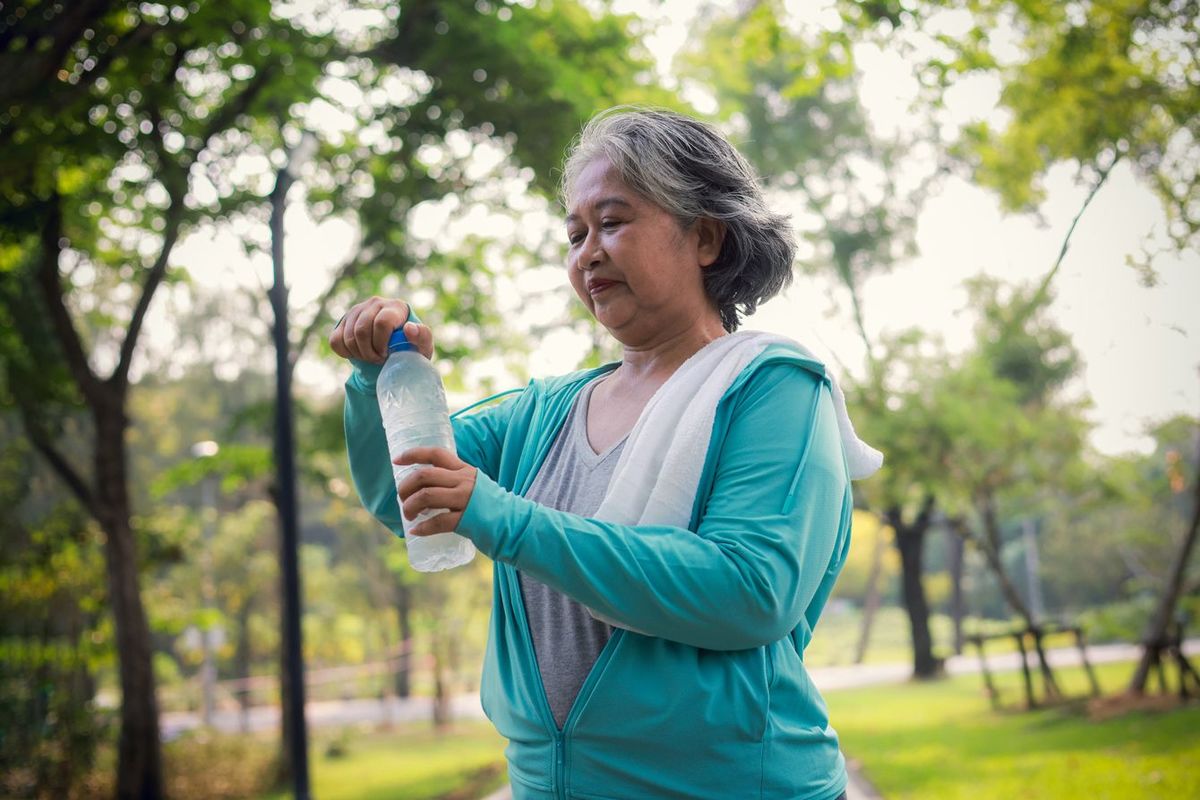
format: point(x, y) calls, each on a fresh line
point(710, 237)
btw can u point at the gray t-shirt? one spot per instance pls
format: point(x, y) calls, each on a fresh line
point(566, 639)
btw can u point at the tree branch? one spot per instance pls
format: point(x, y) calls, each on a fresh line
point(925, 515)
point(64, 94)
point(50, 283)
point(894, 516)
point(59, 463)
point(1039, 296)
point(991, 526)
point(174, 177)
point(33, 67)
point(174, 219)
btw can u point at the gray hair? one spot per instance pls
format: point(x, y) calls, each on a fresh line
point(689, 169)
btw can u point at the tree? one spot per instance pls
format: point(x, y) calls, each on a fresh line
point(110, 109)
point(1156, 639)
point(1010, 434)
point(1092, 84)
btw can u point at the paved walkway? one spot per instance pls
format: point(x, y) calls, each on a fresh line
point(853, 676)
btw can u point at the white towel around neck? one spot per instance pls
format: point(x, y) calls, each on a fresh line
point(658, 473)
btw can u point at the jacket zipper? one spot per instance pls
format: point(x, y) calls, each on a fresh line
point(589, 685)
point(558, 785)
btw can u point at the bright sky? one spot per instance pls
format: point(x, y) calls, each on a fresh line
point(1141, 345)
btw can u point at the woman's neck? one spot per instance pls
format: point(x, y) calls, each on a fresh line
point(655, 360)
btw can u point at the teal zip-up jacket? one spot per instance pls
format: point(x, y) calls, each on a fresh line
point(712, 700)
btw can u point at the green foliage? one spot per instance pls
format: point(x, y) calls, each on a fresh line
point(794, 90)
point(997, 418)
point(1111, 539)
point(790, 93)
point(1091, 83)
point(142, 95)
point(207, 766)
point(33, 377)
point(52, 639)
point(1016, 338)
point(1122, 621)
point(438, 90)
point(533, 72)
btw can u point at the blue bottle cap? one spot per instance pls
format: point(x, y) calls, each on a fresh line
point(399, 342)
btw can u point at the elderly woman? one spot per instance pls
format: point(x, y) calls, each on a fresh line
point(665, 530)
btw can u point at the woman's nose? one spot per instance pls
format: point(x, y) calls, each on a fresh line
point(590, 253)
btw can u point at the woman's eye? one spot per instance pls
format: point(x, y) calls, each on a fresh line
point(609, 224)
point(575, 238)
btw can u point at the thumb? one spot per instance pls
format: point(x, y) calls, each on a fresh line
point(421, 336)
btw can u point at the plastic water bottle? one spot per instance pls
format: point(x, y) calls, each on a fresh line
point(412, 403)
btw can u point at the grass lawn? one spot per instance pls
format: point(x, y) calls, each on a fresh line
point(942, 740)
point(411, 763)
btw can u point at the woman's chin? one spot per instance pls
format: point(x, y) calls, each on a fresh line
point(613, 318)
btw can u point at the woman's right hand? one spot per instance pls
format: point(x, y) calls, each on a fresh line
point(364, 332)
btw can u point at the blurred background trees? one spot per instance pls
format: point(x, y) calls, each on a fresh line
point(138, 146)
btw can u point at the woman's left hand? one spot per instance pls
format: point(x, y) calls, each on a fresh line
point(446, 483)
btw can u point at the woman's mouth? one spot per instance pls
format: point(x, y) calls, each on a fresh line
point(596, 287)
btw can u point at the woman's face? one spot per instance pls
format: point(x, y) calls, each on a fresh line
point(632, 265)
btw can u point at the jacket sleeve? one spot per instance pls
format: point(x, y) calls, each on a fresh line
point(477, 439)
point(774, 525)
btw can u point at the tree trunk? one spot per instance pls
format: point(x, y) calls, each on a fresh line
point(1154, 642)
point(139, 757)
point(404, 616)
point(1007, 588)
point(441, 692)
point(284, 774)
point(957, 606)
point(241, 665)
point(990, 545)
point(910, 542)
point(288, 504)
point(870, 599)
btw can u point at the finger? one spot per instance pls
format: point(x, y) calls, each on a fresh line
point(389, 318)
point(421, 337)
point(434, 456)
point(432, 497)
point(351, 324)
point(336, 344)
point(346, 331)
point(442, 523)
point(428, 476)
point(364, 332)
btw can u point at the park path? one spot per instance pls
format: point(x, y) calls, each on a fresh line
point(337, 713)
